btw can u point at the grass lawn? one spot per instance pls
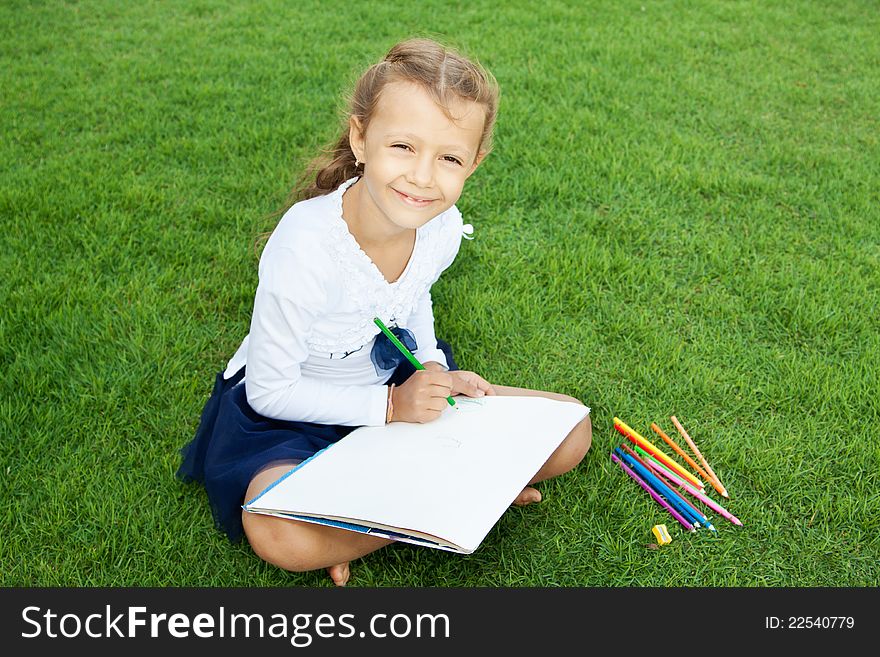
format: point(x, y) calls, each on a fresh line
point(680, 217)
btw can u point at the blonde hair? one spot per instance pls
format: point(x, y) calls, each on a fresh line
point(441, 71)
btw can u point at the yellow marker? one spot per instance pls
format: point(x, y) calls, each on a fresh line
point(648, 446)
point(662, 534)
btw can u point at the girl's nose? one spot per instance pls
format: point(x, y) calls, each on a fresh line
point(422, 172)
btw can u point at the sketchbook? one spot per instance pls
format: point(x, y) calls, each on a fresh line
point(443, 484)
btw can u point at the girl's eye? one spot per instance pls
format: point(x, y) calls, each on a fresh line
point(447, 158)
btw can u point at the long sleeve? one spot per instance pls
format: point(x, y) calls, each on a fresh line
point(289, 298)
point(421, 323)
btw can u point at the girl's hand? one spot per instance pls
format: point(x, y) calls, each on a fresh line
point(422, 397)
point(464, 382)
point(470, 384)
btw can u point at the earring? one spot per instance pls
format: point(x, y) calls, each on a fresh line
point(356, 163)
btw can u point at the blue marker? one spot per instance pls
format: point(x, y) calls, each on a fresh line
point(661, 488)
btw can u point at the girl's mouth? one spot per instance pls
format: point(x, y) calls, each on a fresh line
point(416, 203)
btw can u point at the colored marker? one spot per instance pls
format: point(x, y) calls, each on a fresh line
point(671, 496)
point(406, 352)
point(716, 482)
point(648, 466)
point(658, 487)
point(712, 504)
point(681, 452)
point(675, 514)
point(666, 472)
point(634, 437)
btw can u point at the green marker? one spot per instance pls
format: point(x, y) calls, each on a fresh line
point(406, 352)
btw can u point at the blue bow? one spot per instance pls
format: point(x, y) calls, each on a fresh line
point(385, 355)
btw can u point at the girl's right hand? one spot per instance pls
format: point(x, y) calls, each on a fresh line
point(422, 397)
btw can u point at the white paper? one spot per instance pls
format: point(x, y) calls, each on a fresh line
point(451, 478)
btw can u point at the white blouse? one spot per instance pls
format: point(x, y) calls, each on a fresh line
point(312, 329)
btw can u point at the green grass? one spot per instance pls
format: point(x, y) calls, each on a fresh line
point(680, 217)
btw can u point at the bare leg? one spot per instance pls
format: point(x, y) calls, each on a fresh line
point(569, 453)
point(300, 546)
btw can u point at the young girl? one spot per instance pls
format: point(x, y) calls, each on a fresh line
point(368, 238)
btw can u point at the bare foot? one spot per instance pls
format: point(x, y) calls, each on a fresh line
point(528, 495)
point(339, 573)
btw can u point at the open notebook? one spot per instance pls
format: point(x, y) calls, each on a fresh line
point(443, 484)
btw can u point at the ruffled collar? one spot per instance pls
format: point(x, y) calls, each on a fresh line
point(366, 288)
point(355, 249)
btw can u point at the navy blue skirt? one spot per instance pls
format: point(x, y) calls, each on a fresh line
point(234, 442)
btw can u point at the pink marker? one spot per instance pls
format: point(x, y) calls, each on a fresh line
point(666, 472)
point(703, 498)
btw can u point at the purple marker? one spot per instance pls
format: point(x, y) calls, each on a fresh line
point(657, 498)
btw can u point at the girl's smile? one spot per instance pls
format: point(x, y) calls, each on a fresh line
point(413, 201)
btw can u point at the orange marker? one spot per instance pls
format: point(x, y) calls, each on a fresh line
point(716, 482)
point(681, 452)
point(649, 447)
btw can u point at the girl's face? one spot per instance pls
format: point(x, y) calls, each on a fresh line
point(415, 159)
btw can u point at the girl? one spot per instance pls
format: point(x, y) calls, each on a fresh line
point(367, 238)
